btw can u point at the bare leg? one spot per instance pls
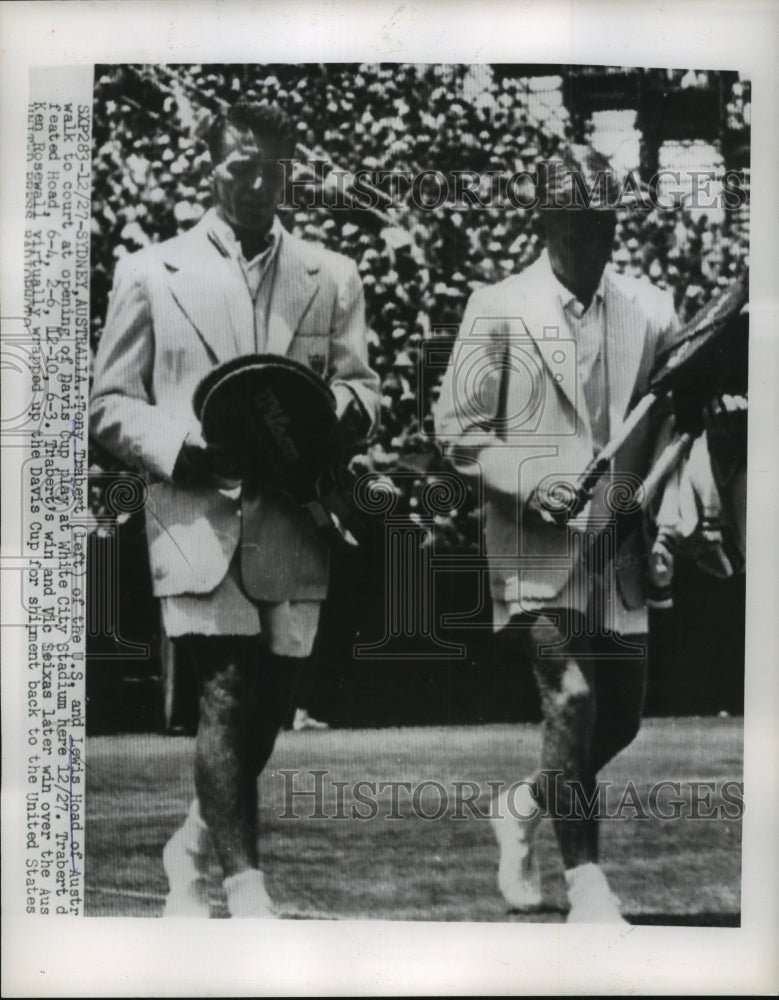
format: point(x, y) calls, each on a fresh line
point(225, 776)
point(244, 693)
point(620, 686)
point(271, 689)
point(566, 686)
point(589, 714)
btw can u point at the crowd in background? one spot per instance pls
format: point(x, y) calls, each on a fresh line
point(151, 180)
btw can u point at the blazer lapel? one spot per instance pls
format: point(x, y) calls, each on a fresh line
point(294, 287)
point(625, 335)
point(210, 293)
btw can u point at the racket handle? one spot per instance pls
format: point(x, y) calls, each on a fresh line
point(588, 480)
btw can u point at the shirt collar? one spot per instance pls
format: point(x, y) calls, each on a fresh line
point(226, 240)
point(567, 299)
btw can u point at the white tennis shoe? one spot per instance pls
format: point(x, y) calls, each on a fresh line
point(303, 720)
point(185, 860)
point(247, 895)
point(591, 899)
point(515, 822)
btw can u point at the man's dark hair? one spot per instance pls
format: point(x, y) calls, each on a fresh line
point(265, 120)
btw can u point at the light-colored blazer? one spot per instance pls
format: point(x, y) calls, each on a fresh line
point(177, 309)
point(512, 416)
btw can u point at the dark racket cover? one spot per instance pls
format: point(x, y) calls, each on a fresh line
point(276, 416)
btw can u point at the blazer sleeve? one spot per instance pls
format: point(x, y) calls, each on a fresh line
point(122, 414)
point(350, 375)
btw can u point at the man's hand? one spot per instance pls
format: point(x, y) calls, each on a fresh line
point(353, 424)
point(538, 509)
point(201, 464)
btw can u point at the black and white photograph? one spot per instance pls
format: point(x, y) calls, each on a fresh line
point(427, 387)
point(375, 548)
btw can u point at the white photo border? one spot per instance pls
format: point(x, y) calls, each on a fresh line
point(117, 957)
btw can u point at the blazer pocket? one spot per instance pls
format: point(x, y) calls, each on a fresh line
point(312, 350)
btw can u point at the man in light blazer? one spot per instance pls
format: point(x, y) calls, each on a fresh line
point(546, 366)
point(236, 284)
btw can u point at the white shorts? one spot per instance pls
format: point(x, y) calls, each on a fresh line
point(612, 615)
point(289, 627)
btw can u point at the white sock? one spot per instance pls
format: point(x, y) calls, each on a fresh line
point(587, 873)
point(186, 855)
point(196, 833)
point(246, 894)
point(591, 899)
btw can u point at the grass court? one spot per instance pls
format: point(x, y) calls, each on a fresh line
point(675, 871)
